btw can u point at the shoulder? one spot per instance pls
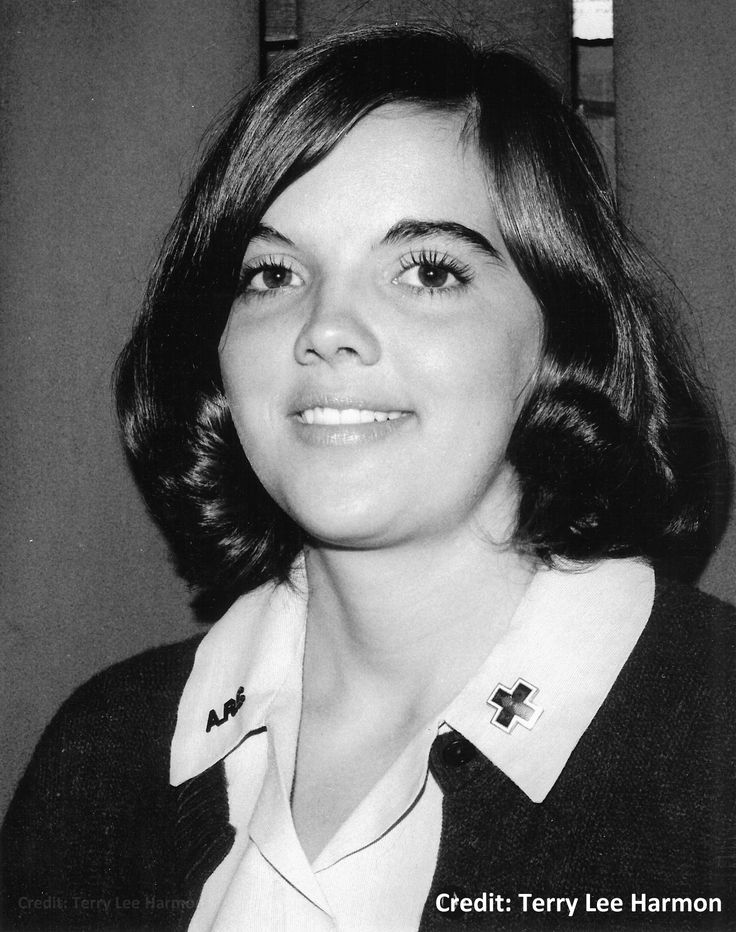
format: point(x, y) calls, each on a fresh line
point(679, 601)
point(665, 731)
point(126, 714)
point(684, 666)
point(94, 808)
point(156, 675)
point(118, 722)
point(692, 632)
point(133, 697)
point(670, 714)
point(649, 789)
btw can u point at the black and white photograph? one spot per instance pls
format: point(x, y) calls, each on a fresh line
point(368, 407)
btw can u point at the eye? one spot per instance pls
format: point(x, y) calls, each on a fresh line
point(269, 275)
point(432, 271)
point(426, 276)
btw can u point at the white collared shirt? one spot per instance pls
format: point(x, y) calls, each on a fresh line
point(568, 640)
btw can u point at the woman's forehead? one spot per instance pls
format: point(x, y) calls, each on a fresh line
point(399, 161)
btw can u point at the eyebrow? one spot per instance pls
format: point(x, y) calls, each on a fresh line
point(264, 231)
point(422, 229)
point(401, 232)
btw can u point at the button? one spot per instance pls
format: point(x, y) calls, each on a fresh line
point(457, 752)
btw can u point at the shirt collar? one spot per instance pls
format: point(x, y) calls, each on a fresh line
point(569, 639)
point(238, 670)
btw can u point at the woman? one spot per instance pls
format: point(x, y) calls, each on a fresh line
point(406, 407)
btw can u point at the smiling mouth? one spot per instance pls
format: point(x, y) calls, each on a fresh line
point(335, 416)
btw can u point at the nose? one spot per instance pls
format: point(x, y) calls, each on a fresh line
point(336, 333)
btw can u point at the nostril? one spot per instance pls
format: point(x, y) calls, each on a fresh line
point(324, 352)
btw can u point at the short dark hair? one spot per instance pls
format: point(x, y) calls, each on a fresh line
point(614, 449)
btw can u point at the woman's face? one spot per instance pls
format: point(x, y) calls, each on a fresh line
point(383, 342)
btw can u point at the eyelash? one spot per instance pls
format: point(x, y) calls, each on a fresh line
point(430, 257)
point(424, 257)
point(265, 263)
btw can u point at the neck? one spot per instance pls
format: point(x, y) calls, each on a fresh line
point(408, 624)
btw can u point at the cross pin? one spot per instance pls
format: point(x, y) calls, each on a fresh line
point(514, 706)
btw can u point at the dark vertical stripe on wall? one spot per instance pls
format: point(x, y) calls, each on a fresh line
point(675, 78)
point(103, 108)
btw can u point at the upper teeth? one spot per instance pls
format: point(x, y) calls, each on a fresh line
point(345, 416)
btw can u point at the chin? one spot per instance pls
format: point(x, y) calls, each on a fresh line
point(355, 525)
point(348, 531)
point(338, 512)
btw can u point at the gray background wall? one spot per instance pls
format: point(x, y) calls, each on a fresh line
point(103, 109)
point(675, 86)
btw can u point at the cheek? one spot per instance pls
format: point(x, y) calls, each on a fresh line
point(248, 377)
point(255, 355)
point(242, 353)
point(514, 352)
point(486, 369)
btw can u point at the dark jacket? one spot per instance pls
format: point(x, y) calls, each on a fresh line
point(97, 838)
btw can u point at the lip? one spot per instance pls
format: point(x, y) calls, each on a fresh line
point(350, 435)
point(345, 402)
point(353, 434)
point(345, 417)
